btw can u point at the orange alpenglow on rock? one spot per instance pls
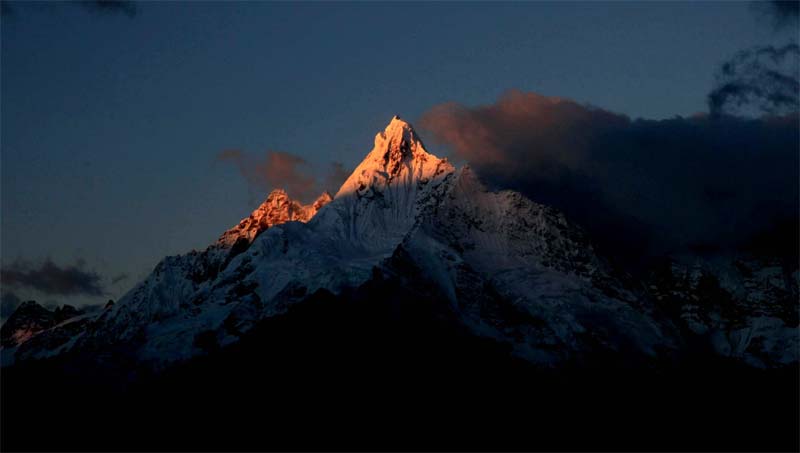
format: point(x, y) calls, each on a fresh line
point(277, 209)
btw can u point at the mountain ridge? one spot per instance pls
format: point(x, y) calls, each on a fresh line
point(509, 269)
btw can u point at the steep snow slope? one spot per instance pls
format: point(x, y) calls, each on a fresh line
point(246, 275)
point(166, 292)
point(517, 271)
point(381, 200)
point(371, 214)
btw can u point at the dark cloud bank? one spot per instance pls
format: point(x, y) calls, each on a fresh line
point(52, 279)
point(640, 187)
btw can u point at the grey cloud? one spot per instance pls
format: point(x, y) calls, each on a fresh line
point(50, 278)
point(278, 169)
point(762, 80)
point(9, 301)
point(119, 278)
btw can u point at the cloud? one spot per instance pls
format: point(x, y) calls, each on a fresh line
point(757, 81)
point(278, 169)
point(98, 7)
point(638, 186)
point(119, 278)
point(127, 8)
point(50, 278)
point(782, 13)
point(9, 302)
point(336, 176)
point(763, 79)
point(6, 9)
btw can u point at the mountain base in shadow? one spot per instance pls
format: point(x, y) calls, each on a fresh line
point(390, 371)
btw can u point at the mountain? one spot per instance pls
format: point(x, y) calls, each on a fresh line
point(500, 265)
point(30, 320)
point(27, 320)
point(743, 307)
point(415, 310)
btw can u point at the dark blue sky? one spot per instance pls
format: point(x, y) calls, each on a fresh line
point(111, 124)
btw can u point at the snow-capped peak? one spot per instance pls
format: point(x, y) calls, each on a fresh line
point(396, 149)
point(380, 201)
point(398, 142)
point(276, 209)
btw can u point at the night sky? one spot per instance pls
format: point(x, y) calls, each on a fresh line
point(114, 118)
